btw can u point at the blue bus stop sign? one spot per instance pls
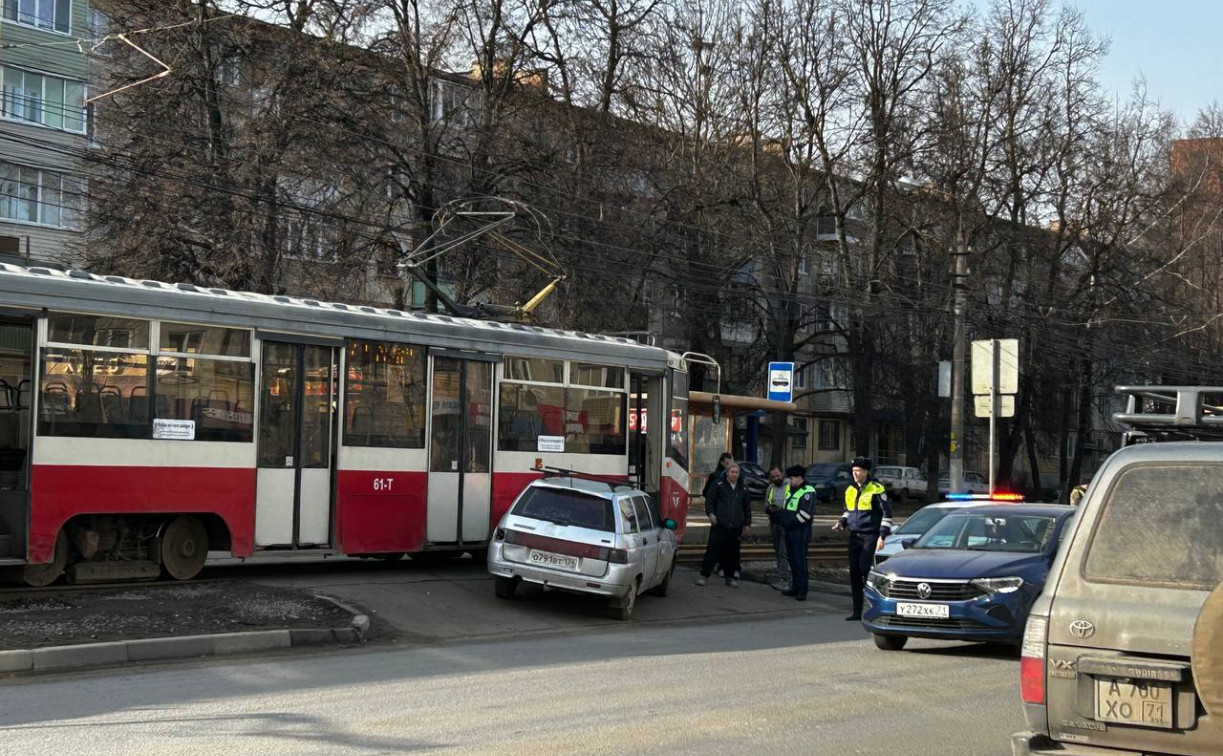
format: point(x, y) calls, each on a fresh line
point(781, 381)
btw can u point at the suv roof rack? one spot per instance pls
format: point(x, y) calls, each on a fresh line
point(1171, 413)
point(559, 472)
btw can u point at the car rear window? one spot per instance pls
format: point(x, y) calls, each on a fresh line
point(1160, 526)
point(574, 508)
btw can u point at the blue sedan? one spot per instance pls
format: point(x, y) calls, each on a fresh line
point(973, 576)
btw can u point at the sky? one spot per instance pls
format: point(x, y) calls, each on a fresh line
point(1175, 44)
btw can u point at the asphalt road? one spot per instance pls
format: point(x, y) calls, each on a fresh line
point(798, 685)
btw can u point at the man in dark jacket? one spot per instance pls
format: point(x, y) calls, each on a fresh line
point(795, 519)
point(729, 508)
point(724, 461)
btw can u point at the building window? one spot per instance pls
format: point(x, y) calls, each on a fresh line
point(30, 195)
point(830, 435)
point(305, 238)
point(52, 15)
point(43, 99)
point(798, 434)
point(384, 398)
point(450, 103)
point(800, 378)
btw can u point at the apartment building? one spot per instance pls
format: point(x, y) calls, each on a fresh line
point(44, 128)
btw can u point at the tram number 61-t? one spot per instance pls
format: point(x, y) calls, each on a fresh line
point(383, 484)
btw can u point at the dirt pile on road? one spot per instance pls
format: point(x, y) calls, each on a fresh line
point(69, 617)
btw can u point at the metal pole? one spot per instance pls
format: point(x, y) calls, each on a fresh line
point(955, 472)
point(993, 410)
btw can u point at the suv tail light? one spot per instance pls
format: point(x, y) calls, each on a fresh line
point(1032, 660)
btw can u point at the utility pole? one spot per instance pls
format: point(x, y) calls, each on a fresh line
point(959, 285)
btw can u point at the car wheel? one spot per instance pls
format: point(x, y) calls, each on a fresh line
point(505, 587)
point(622, 608)
point(890, 642)
point(662, 588)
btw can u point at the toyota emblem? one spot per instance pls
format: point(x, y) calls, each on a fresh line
point(1082, 629)
point(923, 590)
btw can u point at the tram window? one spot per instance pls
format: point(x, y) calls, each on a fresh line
point(528, 412)
point(185, 338)
point(594, 421)
point(678, 430)
point(600, 376)
point(96, 330)
point(534, 369)
point(384, 399)
point(94, 394)
point(219, 395)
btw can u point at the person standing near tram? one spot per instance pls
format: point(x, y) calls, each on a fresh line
point(796, 518)
point(868, 517)
point(729, 508)
point(774, 502)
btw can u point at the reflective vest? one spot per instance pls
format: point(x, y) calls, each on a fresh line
point(768, 494)
point(796, 496)
point(860, 500)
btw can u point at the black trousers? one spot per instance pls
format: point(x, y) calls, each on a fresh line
point(861, 558)
point(796, 551)
point(723, 549)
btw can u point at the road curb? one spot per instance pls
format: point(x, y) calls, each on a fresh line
point(53, 658)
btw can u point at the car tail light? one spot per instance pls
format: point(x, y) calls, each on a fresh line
point(1032, 660)
point(616, 556)
point(499, 534)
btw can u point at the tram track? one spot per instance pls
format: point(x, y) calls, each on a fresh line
point(817, 553)
point(27, 590)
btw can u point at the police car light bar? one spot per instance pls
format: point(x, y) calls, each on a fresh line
point(984, 497)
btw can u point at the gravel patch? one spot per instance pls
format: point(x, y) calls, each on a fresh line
point(157, 611)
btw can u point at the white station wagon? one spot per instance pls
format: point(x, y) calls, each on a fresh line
point(584, 536)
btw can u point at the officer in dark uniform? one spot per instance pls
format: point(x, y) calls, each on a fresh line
point(868, 516)
point(795, 519)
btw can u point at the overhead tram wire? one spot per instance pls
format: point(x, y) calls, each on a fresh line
point(604, 221)
point(487, 172)
point(809, 299)
point(306, 208)
point(814, 299)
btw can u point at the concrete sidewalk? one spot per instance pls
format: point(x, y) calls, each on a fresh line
point(412, 603)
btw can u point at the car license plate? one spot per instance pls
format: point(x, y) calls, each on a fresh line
point(1141, 703)
point(553, 560)
point(941, 611)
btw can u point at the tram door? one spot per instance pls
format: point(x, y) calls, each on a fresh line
point(296, 421)
point(16, 397)
point(647, 424)
point(460, 450)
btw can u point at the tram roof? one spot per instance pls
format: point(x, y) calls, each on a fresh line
point(81, 291)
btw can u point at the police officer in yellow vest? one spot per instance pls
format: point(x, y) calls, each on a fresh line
point(795, 519)
point(868, 516)
point(774, 502)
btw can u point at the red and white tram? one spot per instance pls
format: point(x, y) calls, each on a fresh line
point(143, 424)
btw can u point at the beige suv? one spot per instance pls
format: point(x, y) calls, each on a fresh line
point(1116, 659)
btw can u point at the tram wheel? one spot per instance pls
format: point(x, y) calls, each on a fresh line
point(42, 575)
point(184, 547)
